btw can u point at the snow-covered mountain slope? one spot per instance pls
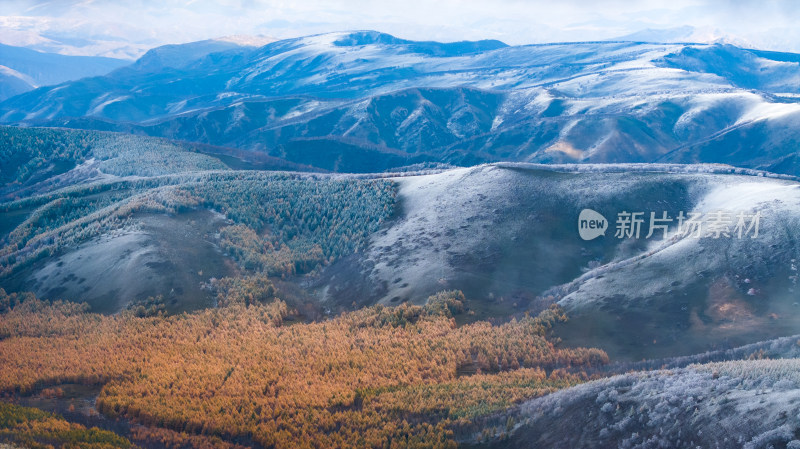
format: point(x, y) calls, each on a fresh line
point(748, 404)
point(13, 82)
point(181, 55)
point(23, 69)
point(684, 292)
point(339, 96)
point(507, 235)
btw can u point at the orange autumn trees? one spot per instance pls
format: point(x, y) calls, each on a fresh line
point(33, 428)
point(377, 377)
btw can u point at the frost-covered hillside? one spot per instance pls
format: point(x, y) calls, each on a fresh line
point(507, 235)
point(749, 404)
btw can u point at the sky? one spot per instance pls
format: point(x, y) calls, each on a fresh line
point(128, 28)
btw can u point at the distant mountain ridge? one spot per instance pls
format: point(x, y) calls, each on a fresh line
point(23, 69)
point(368, 101)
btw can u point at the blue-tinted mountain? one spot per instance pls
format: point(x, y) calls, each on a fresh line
point(368, 101)
point(23, 69)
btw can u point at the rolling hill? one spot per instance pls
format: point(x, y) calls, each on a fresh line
point(505, 234)
point(750, 403)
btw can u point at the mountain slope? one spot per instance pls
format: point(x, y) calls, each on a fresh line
point(115, 219)
point(324, 98)
point(38, 160)
point(507, 236)
point(13, 83)
point(750, 404)
point(43, 69)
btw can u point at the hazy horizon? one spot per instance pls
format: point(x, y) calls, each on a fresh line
point(102, 27)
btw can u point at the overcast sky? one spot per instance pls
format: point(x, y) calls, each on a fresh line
point(109, 26)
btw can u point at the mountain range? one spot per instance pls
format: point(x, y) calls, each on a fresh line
point(367, 101)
